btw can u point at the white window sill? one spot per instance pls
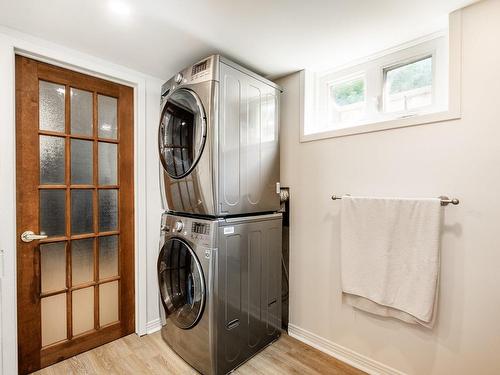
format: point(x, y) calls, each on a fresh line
point(384, 125)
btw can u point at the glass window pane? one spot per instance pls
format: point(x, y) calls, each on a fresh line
point(409, 86)
point(52, 155)
point(108, 256)
point(82, 261)
point(108, 303)
point(53, 212)
point(81, 112)
point(53, 266)
point(347, 102)
point(81, 211)
point(108, 210)
point(83, 310)
point(107, 109)
point(108, 153)
point(52, 106)
point(347, 93)
point(81, 162)
point(53, 319)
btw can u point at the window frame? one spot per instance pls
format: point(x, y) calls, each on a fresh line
point(312, 100)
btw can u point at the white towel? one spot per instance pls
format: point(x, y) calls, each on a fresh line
point(390, 256)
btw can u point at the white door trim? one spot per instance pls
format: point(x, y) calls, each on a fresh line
point(12, 43)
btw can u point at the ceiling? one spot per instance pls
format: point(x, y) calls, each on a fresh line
point(273, 37)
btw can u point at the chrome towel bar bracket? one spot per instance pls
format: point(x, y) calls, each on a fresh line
point(445, 201)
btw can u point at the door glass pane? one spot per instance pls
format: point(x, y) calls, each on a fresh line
point(53, 266)
point(53, 319)
point(52, 151)
point(53, 212)
point(108, 303)
point(82, 261)
point(52, 106)
point(181, 133)
point(108, 210)
point(107, 163)
point(81, 162)
point(107, 109)
point(81, 112)
point(108, 256)
point(81, 211)
point(83, 310)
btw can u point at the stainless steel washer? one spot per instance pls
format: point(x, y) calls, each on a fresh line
point(214, 315)
point(218, 141)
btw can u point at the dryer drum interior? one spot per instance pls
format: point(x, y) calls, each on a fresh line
point(182, 133)
point(182, 285)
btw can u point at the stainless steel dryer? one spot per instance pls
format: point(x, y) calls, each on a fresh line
point(218, 141)
point(220, 288)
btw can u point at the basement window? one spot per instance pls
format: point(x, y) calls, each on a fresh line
point(407, 85)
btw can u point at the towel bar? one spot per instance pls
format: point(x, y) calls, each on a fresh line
point(445, 201)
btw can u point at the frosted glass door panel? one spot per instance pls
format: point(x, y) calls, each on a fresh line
point(82, 261)
point(108, 303)
point(81, 162)
point(53, 212)
point(52, 106)
point(81, 112)
point(53, 266)
point(108, 256)
point(83, 310)
point(108, 210)
point(52, 152)
point(107, 109)
point(82, 211)
point(108, 157)
point(53, 319)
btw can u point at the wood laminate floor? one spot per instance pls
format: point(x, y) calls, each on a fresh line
point(150, 355)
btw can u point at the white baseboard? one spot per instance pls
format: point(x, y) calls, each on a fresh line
point(342, 353)
point(153, 326)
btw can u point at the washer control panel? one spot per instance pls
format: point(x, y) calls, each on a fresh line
point(200, 228)
point(198, 231)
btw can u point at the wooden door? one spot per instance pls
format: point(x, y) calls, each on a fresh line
point(75, 182)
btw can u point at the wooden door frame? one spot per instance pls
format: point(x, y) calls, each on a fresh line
point(12, 44)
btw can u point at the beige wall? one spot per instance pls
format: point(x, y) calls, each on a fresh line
point(459, 158)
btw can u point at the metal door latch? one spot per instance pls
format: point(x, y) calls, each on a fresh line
point(29, 236)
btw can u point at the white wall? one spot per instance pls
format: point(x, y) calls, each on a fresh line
point(458, 158)
point(154, 208)
point(147, 200)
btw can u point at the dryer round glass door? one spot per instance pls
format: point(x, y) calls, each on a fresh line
point(182, 132)
point(182, 286)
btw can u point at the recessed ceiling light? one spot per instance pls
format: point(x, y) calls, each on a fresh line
point(119, 7)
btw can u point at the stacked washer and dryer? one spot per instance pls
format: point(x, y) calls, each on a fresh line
point(219, 267)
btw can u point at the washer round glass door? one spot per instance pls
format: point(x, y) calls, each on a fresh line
point(182, 286)
point(182, 132)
